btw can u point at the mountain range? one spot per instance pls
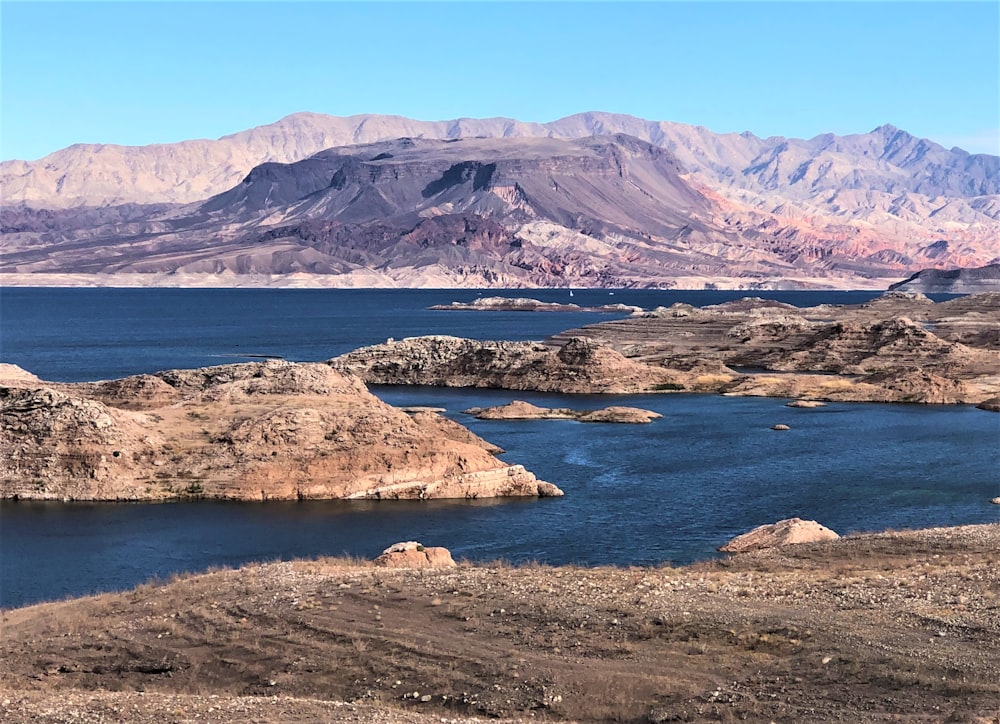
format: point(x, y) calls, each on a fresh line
point(590, 200)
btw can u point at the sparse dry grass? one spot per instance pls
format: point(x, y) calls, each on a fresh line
point(806, 633)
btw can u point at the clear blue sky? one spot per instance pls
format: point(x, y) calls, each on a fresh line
point(138, 73)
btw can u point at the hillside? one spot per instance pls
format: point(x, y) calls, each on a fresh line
point(870, 628)
point(599, 211)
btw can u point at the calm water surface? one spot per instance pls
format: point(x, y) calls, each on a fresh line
point(669, 491)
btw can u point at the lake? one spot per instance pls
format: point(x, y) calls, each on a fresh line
point(671, 491)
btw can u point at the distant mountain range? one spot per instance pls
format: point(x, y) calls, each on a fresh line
point(590, 200)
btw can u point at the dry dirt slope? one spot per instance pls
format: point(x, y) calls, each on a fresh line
point(889, 627)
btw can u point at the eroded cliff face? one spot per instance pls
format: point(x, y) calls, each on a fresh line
point(260, 431)
point(579, 365)
point(897, 348)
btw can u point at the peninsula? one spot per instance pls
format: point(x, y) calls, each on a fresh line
point(900, 347)
point(268, 430)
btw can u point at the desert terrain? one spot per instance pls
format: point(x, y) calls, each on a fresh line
point(897, 626)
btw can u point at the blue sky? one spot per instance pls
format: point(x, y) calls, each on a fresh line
point(138, 73)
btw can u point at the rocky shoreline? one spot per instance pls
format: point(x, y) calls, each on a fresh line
point(269, 430)
point(901, 347)
point(868, 628)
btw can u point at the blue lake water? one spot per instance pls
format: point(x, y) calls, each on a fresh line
point(670, 491)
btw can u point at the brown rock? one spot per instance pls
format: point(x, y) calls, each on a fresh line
point(13, 375)
point(784, 532)
point(896, 348)
point(414, 555)
point(521, 410)
point(990, 405)
point(578, 366)
point(779, 426)
point(807, 404)
point(619, 414)
point(270, 430)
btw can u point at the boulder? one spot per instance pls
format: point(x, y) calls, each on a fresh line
point(990, 405)
point(784, 532)
point(805, 403)
point(410, 554)
point(779, 426)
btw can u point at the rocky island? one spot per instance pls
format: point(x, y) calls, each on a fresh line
point(521, 410)
point(269, 430)
point(900, 347)
point(526, 304)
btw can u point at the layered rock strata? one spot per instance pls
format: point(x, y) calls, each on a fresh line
point(261, 431)
point(896, 348)
point(578, 365)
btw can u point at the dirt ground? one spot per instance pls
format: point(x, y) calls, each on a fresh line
point(887, 627)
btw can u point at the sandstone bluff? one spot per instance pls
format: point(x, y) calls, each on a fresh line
point(261, 431)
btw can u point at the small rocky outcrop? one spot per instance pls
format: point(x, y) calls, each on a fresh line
point(990, 405)
point(577, 366)
point(526, 304)
point(411, 554)
point(780, 427)
point(261, 431)
point(784, 532)
point(520, 410)
point(13, 373)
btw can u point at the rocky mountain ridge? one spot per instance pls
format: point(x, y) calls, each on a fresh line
point(515, 212)
point(886, 159)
